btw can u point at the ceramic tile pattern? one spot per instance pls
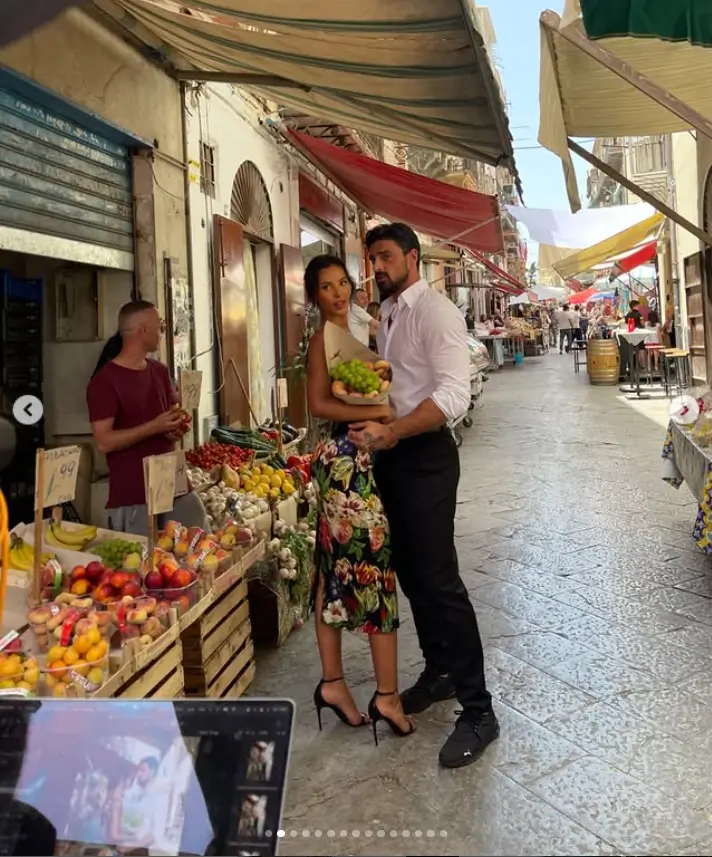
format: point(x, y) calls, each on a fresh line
point(596, 613)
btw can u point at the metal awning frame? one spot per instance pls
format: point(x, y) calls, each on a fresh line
point(550, 24)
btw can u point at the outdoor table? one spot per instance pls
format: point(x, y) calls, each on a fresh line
point(684, 460)
point(632, 341)
point(515, 343)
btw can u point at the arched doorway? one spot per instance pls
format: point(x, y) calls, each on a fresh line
point(251, 207)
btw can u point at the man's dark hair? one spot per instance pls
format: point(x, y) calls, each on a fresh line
point(130, 309)
point(634, 304)
point(400, 233)
point(565, 307)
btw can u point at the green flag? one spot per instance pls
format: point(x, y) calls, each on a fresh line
point(671, 20)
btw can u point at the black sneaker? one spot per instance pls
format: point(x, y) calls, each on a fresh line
point(469, 740)
point(428, 689)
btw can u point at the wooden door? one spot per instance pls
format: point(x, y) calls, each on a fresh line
point(293, 305)
point(698, 281)
point(230, 300)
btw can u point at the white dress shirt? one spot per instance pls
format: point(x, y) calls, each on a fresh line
point(359, 323)
point(423, 336)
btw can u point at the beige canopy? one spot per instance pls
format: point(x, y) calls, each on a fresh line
point(411, 70)
point(580, 96)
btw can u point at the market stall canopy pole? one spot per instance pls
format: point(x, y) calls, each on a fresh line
point(429, 206)
point(410, 70)
point(662, 207)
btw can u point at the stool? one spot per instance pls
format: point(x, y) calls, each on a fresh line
point(579, 349)
point(651, 350)
point(675, 362)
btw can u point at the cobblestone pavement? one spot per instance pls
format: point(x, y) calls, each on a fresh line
point(596, 611)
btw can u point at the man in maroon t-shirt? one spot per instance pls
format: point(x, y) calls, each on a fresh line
point(134, 414)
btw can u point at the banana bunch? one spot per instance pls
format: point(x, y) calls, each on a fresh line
point(22, 555)
point(75, 540)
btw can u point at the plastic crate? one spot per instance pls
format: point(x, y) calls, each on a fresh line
point(17, 291)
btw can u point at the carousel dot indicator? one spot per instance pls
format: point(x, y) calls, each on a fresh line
point(406, 833)
point(381, 833)
point(369, 833)
point(280, 833)
point(292, 832)
point(317, 833)
point(343, 834)
point(443, 833)
point(306, 834)
point(418, 833)
point(331, 833)
point(355, 833)
point(431, 833)
point(394, 833)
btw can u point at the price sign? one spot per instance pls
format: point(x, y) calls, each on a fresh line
point(59, 469)
point(160, 477)
point(190, 385)
point(182, 486)
point(282, 394)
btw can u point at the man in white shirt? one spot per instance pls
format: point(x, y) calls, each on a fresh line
point(361, 324)
point(566, 322)
point(417, 468)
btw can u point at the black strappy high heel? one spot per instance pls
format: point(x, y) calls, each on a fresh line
point(320, 703)
point(375, 713)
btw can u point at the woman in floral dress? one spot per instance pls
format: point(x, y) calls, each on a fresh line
point(355, 586)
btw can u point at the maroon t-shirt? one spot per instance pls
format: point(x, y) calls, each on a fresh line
point(132, 397)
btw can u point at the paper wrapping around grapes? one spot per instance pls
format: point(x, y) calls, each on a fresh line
point(340, 347)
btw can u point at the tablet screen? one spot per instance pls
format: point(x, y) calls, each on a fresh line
point(149, 777)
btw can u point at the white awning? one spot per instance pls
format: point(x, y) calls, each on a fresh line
point(413, 70)
point(586, 227)
point(580, 97)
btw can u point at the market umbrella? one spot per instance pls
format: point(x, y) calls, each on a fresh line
point(671, 20)
point(602, 296)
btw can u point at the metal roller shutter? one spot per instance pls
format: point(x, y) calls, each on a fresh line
point(61, 179)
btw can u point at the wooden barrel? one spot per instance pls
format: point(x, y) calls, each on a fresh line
point(603, 361)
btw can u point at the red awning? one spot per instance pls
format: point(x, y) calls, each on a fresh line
point(462, 217)
point(582, 297)
point(641, 256)
point(499, 272)
point(507, 288)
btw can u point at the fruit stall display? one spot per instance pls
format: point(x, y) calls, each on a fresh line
point(111, 618)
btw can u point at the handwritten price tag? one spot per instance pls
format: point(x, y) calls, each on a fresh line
point(61, 468)
point(160, 475)
point(282, 393)
point(182, 486)
point(190, 385)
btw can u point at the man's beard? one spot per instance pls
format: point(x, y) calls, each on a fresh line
point(388, 287)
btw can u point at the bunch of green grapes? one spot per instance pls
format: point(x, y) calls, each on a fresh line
point(113, 551)
point(356, 376)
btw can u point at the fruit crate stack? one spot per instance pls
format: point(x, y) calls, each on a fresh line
point(216, 634)
point(21, 374)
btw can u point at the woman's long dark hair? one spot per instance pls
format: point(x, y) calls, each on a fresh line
point(111, 350)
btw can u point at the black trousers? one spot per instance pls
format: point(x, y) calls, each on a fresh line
point(418, 480)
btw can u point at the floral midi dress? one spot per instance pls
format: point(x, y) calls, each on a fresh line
point(353, 549)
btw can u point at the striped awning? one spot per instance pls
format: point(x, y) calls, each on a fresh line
point(410, 70)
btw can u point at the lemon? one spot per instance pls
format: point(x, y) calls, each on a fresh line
point(56, 653)
point(32, 677)
point(283, 474)
point(94, 635)
point(9, 669)
point(274, 493)
point(288, 489)
point(276, 481)
point(6, 683)
point(96, 676)
point(267, 470)
point(248, 485)
point(71, 656)
point(264, 480)
point(23, 685)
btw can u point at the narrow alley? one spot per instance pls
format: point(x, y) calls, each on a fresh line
point(596, 610)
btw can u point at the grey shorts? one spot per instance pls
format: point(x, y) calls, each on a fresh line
point(188, 510)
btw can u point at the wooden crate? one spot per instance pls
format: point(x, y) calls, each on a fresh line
point(216, 634)
point(155, 672)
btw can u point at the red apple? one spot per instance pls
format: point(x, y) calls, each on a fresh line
point(243, 536)
point(78, 572)
point(104, 593)
point(154, 580)
point(94, 570)
point(131, 589)
point(119, 579)
point(105, 577)
point(167, 570)
point(180, 579)
point(181, 604)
